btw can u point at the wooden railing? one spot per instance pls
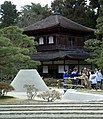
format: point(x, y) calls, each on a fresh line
point(57, 47)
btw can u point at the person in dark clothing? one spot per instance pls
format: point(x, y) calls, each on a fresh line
point(74, 74)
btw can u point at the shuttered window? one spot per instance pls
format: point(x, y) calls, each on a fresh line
point(51, 40)
point(41, 41)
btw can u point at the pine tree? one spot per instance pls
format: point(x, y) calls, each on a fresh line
point(9, 14)
point(15, 51)
point(96, 45)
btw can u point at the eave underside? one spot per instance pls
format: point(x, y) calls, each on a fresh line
point(57, 55)
point(56, 29)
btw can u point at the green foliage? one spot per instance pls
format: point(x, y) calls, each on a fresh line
point(96, 46)
point(51, 82)
point(68, 80)
point(32, 13)
point(100, 59)
point(55, 82)
point(100, 22)
point(93, 44)
point(9, 14)
point(2, 98)
point(76, 10)
point(59, 3)
point(15, 51)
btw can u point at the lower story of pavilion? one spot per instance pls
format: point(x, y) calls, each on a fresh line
point(53, 64)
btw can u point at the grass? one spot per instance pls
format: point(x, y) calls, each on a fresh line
point(13, 100)
point(6, 97)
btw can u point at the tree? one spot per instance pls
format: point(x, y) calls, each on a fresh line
point(96, 45)
point(100, 32)
point(76, 10)
point(9, 14)
point(95, 6)
point(59, 3)
point(15, 51)
point(32, 13)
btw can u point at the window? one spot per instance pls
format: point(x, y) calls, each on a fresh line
point(60, 68)
point(41, 41)
point(45, 69)
point(51, 40)
point(71, 41)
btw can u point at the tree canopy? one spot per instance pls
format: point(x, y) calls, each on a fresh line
point(96, 45)
point(32, 13)
point(77, 10)
point(15, 50)
point(9, 14)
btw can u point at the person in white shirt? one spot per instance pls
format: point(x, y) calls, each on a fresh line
point(99, 78)
point(92, 79)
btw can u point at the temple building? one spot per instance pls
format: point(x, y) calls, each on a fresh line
point(60, 45)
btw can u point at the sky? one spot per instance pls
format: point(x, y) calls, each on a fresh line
point(20, 3)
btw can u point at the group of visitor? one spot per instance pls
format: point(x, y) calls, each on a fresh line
point(91, 79)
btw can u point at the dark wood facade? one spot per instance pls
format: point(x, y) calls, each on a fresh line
point(60, 42)
point(60, 45)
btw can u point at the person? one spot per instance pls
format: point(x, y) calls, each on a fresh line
point(99, 78)
point(65, 76)
point(84, 80)
point(74, 74)
point(86, 71)
point(85, 77)
point(92, 79)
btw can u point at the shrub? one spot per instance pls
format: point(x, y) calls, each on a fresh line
point(31, 91)
point(4, 88)
point(68, 81)
point(56, 82)
point(50, 96)
point(51, 81)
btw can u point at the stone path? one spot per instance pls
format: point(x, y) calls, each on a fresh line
point(47, 110)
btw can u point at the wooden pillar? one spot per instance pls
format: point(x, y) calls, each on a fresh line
point(78, 66)
point(64, 64)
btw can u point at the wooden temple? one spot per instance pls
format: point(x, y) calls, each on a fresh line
point(60, 45)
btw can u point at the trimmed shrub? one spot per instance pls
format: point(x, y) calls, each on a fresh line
point(4, 88)
point(50, 96)
point(31, 91)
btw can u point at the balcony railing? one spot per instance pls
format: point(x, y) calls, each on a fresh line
point(57, 47)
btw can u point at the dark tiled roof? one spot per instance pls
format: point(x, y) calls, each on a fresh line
point(57, 20)
point(46, 56)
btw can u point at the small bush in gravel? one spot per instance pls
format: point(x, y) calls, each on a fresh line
point(50, 96)
point(31, 91)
